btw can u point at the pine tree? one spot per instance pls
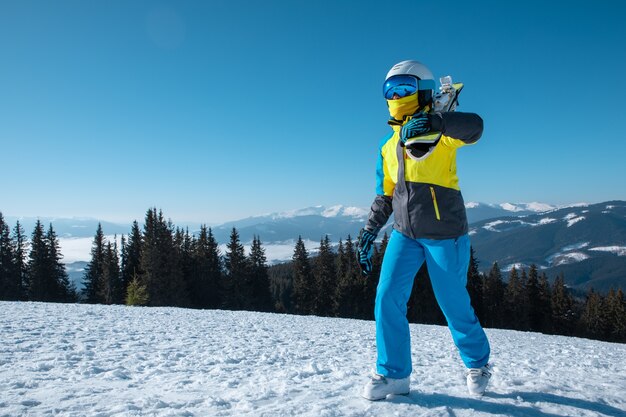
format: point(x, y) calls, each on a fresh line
point(151, 259)
point(160, 262)
point(20, 261)
point(206, 282)
point(325, 280)
point(39, 284)
point(342, 281)
point(594, 317)
point(176, 287)
point(238, 292)
point(616, 315)
point(9, 272)
point(544, 306)
point(259, 279)
point(281, 286)
point(493, 293)
point(563, 315)
point(302, 296)
point(63, 289)
point(93, 280)
point(533, 295)
point(123, 260)
point(131, 256)
point(137, 293)
point(359, 283)
point(344, 305)
point(523, 308)
point(351, 285)
point(475, 286)
point(185, 244)
point(515, 302)
point(112, 290)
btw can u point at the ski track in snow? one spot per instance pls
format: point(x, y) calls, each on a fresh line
point(82, 360)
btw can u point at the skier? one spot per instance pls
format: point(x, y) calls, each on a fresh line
point(420, 187)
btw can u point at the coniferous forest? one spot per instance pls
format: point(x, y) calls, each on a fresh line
point(158, 264)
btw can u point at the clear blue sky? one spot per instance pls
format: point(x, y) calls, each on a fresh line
point(217, 110)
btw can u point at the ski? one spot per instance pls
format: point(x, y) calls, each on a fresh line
point(446, 100)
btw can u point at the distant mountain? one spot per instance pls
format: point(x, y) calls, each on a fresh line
point(483, 211)
point(586, 243)
point(70, 227)
point(311, 223)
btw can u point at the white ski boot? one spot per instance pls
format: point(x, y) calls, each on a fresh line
point(477, 379)
point(379, 387)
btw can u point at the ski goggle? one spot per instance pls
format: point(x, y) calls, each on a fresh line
point(405, 85)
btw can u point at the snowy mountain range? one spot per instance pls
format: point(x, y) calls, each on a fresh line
point(313, 223)
point(97, 360)
point(587, 242)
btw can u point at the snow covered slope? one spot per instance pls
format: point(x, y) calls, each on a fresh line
point(81, 360)
point(585, 243)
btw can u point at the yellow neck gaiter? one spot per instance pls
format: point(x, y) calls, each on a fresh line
point(404, 106)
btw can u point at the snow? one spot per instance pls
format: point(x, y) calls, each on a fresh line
point(539, 207)
point(576, 246)
point(572, 219)
point(82, 360)
point(309, 211)
point(332, 211)
point(510, 207)
point(335, 211)
point(534, 207)
point(569, 258)
point(618, 250)
point(569, 254)
point(516, 265)
point(575, 220)
point(471, 205)
point(491, 226)
point(545, 220)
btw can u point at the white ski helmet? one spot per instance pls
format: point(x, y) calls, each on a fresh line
point(426, 89)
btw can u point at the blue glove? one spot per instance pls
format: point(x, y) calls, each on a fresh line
point(417, 125)
point(364, 251)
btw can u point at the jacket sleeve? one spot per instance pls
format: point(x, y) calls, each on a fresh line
point(379, 213)
point(466, 127)
point(381, 207)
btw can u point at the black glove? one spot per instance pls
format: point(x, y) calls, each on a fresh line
point(364, 251)
point(417, 125)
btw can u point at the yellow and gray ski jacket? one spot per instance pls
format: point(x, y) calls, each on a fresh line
point(424, 196)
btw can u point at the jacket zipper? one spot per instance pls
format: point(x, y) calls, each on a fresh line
point(432, 193)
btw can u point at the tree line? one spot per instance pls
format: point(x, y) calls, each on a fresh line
point(32, 270)
point(163, 265)
point(528, 302)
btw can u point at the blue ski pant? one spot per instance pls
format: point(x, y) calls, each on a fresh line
point(447, 261)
